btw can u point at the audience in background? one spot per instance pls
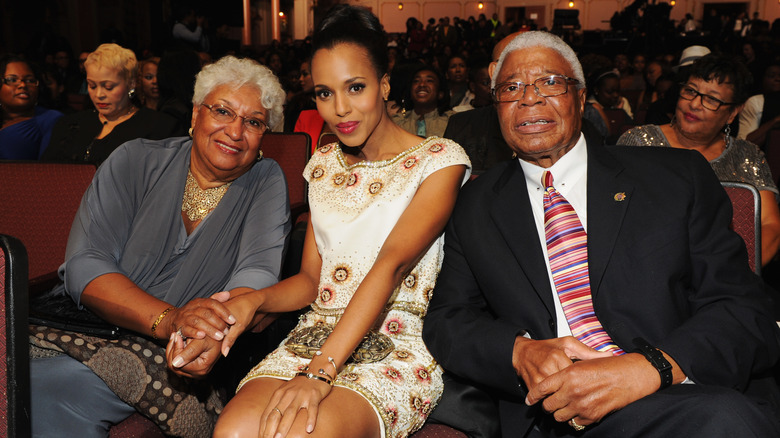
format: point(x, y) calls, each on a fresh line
point(458, 81)
point(604, 105)
point(761, 114)
point(709, 100)
point(91, 135)
point(302, 100)
point(25, 127)
point(148, 91)
point(176, 80)
point(427, 113)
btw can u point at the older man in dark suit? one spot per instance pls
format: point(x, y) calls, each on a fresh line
point(598, 291)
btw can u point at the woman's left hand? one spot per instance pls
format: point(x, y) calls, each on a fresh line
point(244, 307)
point(286, 403)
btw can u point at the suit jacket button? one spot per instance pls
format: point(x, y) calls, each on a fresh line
point(552, 324)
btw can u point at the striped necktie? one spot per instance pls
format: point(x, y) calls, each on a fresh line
point(567, 248)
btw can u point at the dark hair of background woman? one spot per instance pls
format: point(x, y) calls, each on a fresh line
point(354, 25)
point(596, 80)
point(176, 80)
point(722, 68)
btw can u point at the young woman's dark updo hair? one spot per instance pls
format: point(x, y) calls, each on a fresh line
point(353, 25)
point(722, 68)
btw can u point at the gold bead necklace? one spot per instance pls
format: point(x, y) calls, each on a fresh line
point(197, 203)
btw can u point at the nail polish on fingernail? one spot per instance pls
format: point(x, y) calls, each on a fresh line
point(177, 362)
point(231, 319)
point(219, 335)
point(226, 331)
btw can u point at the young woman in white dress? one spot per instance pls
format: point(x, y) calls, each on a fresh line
point(355, 366)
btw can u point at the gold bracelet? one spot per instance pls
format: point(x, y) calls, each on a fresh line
point(316, 377)
point(322, 372)
point(330, 359)
point(159, 320)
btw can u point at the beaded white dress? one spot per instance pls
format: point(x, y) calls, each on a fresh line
point(353, 210)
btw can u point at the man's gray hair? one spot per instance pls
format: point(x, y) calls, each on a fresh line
point(541, 39)
point(238, 73)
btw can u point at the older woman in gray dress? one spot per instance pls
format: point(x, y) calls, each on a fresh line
point(164, 227)
point(710, 99)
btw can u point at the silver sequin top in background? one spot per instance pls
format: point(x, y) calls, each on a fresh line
point(742, 161)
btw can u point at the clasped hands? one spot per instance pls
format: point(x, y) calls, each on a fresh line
point(578, 384)
point(203, 330)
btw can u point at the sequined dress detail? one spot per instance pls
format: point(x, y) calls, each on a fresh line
point(353, 210)
point(742, 161)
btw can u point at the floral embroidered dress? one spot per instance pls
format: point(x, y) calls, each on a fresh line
point(353, 210)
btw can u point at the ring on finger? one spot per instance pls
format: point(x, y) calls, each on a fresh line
point(280, 412)
point(181, 335)
point(577, 427)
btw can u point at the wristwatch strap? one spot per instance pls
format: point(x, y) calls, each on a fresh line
point(657, 359)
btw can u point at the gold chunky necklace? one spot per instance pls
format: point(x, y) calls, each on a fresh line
point(197, 203)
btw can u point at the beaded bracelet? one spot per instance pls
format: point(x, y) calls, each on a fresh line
point(159, 320)
point(315, 377)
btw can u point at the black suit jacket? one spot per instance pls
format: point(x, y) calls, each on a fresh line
point(479, 133)
point(663, 265)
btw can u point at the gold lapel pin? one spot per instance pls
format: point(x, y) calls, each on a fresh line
point(620, 196)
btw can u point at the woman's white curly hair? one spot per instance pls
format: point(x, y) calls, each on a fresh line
point(238, 73)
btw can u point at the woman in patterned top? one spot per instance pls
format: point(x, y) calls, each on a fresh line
point(710, 99)
point(356, 365)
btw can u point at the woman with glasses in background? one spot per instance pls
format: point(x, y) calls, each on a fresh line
point(91, 135)
point(710, 99)
point(25, 127)
point(164, 226)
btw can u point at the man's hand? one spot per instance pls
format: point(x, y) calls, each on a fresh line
point(588, 390)
point(535, 360)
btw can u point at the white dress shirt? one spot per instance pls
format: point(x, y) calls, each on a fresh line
point(570, 175)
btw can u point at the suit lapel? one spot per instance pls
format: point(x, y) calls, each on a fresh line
point(511, 212)
point(609, 195)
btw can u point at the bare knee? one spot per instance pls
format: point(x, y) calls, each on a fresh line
point(229, 428)
point(224, 430)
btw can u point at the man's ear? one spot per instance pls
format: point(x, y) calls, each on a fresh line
point(491, 68)
point(583, 94)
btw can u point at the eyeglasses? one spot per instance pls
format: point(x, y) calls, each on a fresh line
point(547, 86)
point(12, 80)
point(225, 115)
point(707, 101)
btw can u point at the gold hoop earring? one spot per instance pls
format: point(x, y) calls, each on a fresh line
point(190, 132)
point(259, 155)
